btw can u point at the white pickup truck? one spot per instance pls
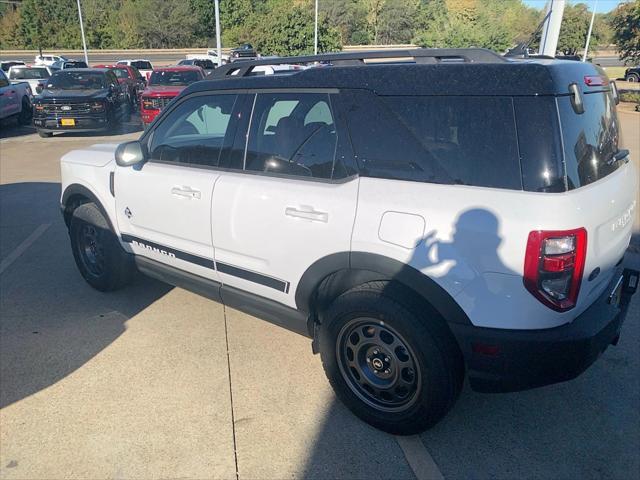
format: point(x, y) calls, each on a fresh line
point(15, 99)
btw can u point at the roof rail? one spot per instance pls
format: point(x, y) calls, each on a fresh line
point(243, 68)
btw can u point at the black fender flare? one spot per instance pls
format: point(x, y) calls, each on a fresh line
point(77, 189)
point(345, 270)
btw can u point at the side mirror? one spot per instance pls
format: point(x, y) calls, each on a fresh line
point(129, 154)
point(39, 88)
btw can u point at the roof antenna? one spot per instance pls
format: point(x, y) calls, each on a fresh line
point(522, 49)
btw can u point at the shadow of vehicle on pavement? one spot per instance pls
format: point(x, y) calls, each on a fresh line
point(52, 322)
point(10, 127)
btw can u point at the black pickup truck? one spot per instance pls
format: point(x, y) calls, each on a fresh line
point(80, 100)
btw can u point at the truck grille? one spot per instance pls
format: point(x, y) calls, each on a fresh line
point(158, 103)
point(67, 109)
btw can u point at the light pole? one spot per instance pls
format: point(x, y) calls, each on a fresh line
point(218, 44)
point(586, 45)
point(84, 42)
point(315, 32)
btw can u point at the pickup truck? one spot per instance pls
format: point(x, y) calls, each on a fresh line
point(15, 100)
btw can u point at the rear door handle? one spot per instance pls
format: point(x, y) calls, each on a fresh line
point(187, 192)
point(308, 213)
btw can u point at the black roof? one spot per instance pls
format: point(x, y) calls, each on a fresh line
point(85, 70)
point(493, 77)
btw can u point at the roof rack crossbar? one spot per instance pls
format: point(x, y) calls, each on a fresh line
point(242, 68)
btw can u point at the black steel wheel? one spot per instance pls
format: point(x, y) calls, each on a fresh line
point(378, 364)
point(98, 255)
point(390, 357)
point(91, 249)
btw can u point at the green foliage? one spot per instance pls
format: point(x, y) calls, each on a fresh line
point(632, 97)
point(288, 30)
point(286, 26)
point(494, 24)
point(625, 22)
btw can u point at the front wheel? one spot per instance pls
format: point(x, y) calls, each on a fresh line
point(99, 257)
point(26, 114)
point(633, 78)
point(390, 359)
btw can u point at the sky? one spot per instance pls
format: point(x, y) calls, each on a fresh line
point(604, 6)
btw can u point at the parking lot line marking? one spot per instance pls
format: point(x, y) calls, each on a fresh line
point(419, 458)
point(20, 249)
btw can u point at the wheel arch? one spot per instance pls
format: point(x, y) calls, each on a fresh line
point(74, 196)
point(333, 275)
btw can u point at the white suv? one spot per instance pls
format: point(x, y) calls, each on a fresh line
point(463, 213)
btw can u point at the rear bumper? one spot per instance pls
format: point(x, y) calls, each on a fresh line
point(82, 124)
point(512, 360)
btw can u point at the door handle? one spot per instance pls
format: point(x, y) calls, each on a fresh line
point(186, 192)
point(308, 213)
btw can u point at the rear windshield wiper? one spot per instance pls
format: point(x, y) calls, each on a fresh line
point(621, 155)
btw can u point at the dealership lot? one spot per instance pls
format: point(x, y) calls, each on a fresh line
point(154, 381)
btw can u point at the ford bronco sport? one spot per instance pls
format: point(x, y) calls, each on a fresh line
point(422, 215)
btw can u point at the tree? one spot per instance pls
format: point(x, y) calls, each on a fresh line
point(288, 30)
point(9, 24)
point(625, 22)
point(157, 23)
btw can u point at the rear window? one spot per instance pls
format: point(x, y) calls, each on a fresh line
point(451, 140)
point(590, 139)
point(142, 65)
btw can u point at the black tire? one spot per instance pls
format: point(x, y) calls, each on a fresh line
point(633, 78)
point(99, 257)
point(425, 367)
point(26, 114)
point(45, 134)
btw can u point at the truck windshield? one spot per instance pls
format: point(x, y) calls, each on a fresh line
point(77, 81)
point(167, 77)
point(28, 73)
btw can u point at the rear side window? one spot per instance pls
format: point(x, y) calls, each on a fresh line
point(590, 139)
point(292, 134)
point(451, 140)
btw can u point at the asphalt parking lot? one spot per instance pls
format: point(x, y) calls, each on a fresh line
point(156, 382)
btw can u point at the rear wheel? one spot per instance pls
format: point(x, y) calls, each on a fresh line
point(633, 78)
point(391, 364)
point(26, 114)
point(99, 257)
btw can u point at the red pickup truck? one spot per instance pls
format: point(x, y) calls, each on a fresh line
point(164, 85)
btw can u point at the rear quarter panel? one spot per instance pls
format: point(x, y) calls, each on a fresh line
point(473, 240)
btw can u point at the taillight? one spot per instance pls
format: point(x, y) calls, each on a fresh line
point(553, 266)
point(147, 104)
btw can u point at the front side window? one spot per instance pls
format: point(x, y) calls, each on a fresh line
point(194, 132)
point(120, 72)
point(292, 134)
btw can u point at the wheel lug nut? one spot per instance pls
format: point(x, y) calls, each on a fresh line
point(368, 360)
point(375, 352)
point(386, 359)
point(388, 370)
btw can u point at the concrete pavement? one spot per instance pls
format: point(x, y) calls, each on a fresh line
point(156, 382)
